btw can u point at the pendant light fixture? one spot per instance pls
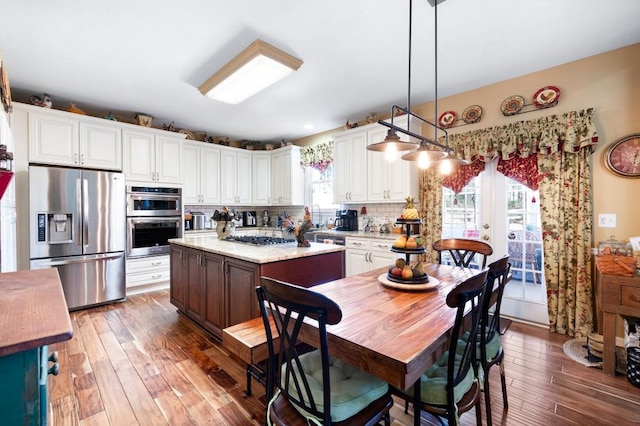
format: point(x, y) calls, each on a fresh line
point(425, 154)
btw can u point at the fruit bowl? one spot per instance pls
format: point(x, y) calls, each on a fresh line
point(420, 280)
point(398, 278)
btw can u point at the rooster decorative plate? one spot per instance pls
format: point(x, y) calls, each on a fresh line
point(472, 114)
point(512, 105)
point(447, 119)
point(546, 97)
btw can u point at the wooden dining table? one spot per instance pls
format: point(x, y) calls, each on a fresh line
point(394, 334)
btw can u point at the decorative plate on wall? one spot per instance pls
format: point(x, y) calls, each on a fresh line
point(472, 114)
point(546, 97)
point(512, 105)
point(447, 119)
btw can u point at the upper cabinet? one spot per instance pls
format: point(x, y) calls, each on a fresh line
point(261, 187)
point(366, 176)
point(287, 177)
point(350, 166)
point(153, 156)
point(201, 173)
point(391, 181)
point(235, 178)
point(65, 139)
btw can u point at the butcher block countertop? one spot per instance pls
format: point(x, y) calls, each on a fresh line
point(252, 253)
point(33, 311)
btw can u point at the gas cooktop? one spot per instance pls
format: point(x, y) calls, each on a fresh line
point(259, 240)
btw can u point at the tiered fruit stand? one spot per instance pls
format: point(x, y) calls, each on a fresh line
point(423, 282)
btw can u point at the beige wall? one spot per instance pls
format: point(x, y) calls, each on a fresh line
point(609, 82)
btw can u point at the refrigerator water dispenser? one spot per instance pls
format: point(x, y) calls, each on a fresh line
point(55, 228)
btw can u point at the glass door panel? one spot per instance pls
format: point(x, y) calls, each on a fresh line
point(500, 211)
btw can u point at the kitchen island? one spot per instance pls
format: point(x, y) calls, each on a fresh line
point(213, 281)
point(33, 314)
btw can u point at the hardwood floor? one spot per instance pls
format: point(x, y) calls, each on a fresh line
point(140, 362)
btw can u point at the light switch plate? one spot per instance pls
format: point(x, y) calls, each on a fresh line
point(607, 220)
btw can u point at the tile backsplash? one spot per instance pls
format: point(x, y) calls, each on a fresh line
point(377, 214)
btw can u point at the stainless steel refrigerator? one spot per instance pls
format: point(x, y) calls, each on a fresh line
point(77, 224)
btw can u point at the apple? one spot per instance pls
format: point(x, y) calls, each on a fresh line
point(396, 272)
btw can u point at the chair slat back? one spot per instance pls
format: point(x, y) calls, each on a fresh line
point(289, 305)
point(466, 298)
point(498, 276)
point(463, 250)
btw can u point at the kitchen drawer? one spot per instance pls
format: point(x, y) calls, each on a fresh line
point(630, 296)
point(149, 277)
point(381, 245)
point(147, 263)
point(358, 243)
point(147, 270)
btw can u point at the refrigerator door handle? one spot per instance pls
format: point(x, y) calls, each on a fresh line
point(57, 261)
point(85, 213)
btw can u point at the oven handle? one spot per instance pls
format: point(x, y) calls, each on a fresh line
point(137, 220)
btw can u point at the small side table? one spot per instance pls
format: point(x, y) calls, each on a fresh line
point(617, 296)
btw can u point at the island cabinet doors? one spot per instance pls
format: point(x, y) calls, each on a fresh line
point(242, 278)
point(213, 290)
point(213, 278)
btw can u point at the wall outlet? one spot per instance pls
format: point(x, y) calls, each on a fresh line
point(607, 220)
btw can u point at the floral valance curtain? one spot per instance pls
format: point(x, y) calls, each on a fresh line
point(552, 154)
point(318, 156)
point(516, 143)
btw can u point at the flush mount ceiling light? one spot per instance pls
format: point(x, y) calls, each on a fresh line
point(428, 150)
point(252, 70)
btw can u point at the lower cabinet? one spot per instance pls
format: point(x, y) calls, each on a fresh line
point(218, 291)
point(213, 290)
point(367, 254)
point(145, 271)
point(23, 396)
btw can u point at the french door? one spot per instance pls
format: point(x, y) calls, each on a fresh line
point(498, 210)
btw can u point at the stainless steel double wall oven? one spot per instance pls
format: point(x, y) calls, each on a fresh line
point(154, 215)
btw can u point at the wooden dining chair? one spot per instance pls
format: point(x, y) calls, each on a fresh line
point(490, 345)
point(313, 387)
point(463, 251)
point(450, 386)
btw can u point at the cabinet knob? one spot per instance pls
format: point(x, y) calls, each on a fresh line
point(53, 357)
point(55, 369)
point(485, 237)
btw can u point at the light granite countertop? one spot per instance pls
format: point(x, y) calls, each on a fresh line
point(252, 253)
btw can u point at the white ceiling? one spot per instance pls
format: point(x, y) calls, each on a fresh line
point(151, 55)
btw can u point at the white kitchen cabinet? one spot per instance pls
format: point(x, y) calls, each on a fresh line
point(350, 166)
point(261, 187)
point(235, 178)
point(287, 177)
point(391, 181)
point(66, 139)
point(360, 175)
point(367, 254)
point(147, 271)
point(153, 156)
point(201, 173)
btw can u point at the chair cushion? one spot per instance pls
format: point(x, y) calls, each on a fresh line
point(351, 388)
point(433, 383)
point(493, 347)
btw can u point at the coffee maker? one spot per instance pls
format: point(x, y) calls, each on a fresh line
point(346, 220)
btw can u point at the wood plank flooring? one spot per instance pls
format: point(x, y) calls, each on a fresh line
point(141, 363)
